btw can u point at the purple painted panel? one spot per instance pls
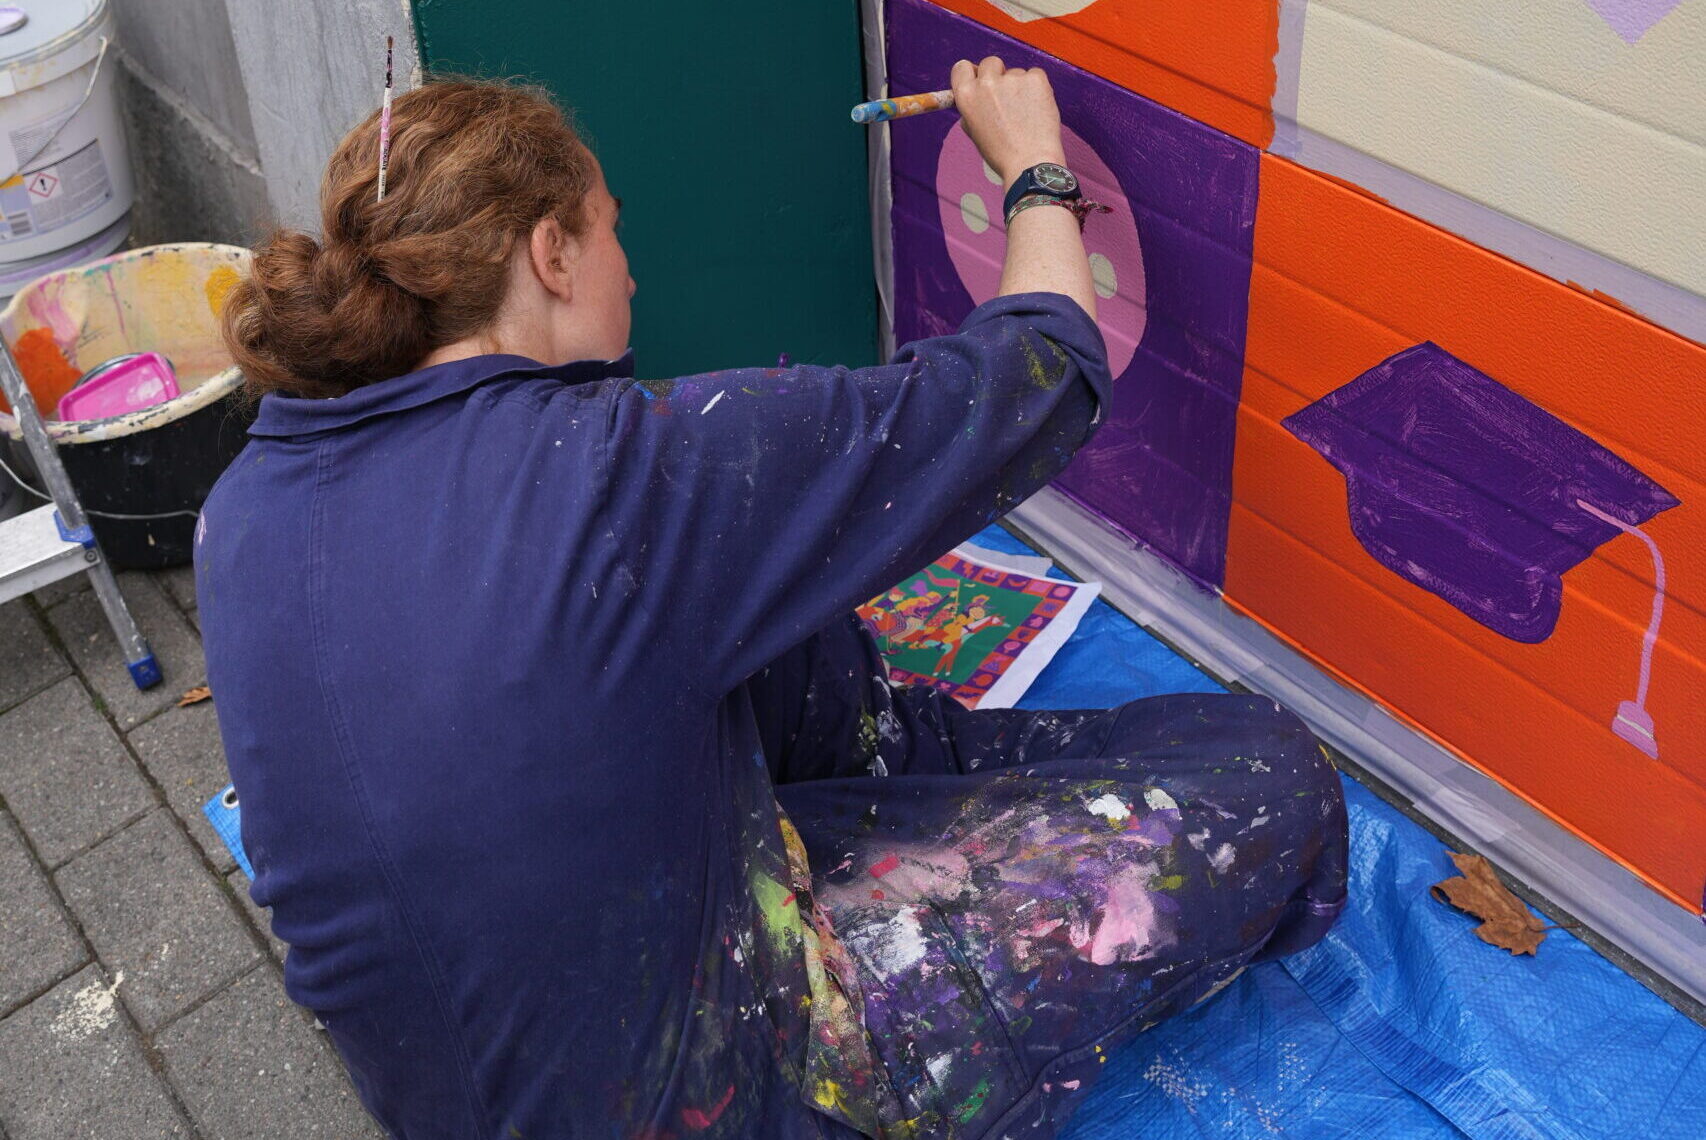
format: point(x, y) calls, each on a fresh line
point(1172, 268)
point(1471, 491)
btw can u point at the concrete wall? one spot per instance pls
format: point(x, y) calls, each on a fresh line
point(312, 72)
point(187, 115)
point(232, 106)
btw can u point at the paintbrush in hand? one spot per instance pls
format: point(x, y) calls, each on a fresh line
point(882, 110)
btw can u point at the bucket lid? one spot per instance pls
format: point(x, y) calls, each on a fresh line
point(53, 28)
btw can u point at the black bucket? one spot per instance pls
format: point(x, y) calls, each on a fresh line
point(142, 476)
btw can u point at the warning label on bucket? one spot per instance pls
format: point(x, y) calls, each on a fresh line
point(42, 200)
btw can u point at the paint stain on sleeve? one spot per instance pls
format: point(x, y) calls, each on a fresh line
point(1044, 373)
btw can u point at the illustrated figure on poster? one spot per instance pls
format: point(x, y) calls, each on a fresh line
point(911, 617)
point(884, 620)
point(910, 620)
point(958, 628)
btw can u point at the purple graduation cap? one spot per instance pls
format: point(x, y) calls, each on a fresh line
point(1471, 491)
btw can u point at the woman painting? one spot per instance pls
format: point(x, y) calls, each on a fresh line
point(573, 785)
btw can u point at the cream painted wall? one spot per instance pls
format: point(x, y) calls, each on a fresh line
point(1540, 111)
point(1028, 10)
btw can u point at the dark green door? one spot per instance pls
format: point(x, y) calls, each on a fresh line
point(724, 130)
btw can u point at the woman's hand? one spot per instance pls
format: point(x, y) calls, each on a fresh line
point(1012, 117)
point(1010, 114)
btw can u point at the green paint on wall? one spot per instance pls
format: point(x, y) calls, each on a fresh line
point(724, 130)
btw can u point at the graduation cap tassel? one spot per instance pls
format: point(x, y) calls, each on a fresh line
point(1633, 722)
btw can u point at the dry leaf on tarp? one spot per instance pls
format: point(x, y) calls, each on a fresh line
point(195, 696)
point(1505, 921)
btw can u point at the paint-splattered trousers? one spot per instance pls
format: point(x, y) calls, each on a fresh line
point(1012, 893)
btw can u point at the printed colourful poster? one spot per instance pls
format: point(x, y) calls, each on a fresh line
point(976, 625)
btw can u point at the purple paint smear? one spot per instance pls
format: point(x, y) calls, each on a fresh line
point(1469, 490)
point(1161, 467)
point(1632, 19)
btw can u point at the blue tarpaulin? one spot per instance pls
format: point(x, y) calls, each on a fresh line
point(1401, 1023)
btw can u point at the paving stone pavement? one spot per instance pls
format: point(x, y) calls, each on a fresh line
point(87, 637)
point(140, 987)
point(29, 662)
point(38, 944)
point(71, 1065)
point(181, 749)
point(154, 915)
point(65, 774)
point(249, 1050)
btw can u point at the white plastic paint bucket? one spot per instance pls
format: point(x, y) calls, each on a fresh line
point(65, 181)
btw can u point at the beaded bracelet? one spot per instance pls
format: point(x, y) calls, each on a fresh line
point(1081, 208)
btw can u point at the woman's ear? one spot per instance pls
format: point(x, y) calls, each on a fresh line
point(552, 251)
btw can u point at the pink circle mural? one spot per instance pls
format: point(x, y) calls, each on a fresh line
point(969, 195)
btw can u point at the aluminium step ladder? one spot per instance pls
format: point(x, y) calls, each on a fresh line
point(55, 541)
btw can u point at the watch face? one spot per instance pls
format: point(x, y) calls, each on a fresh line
point(1053, 177)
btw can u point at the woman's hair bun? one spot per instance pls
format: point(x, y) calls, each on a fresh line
point(474, 165)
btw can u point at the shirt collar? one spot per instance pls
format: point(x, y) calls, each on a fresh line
point(282, 415)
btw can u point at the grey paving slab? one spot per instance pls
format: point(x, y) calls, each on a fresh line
point(65, 774)
point(71, 1068)
point(55, 592)
point(181, 750)
point(249, 1063)
point(28, 660)
point(89, 639)
point(261, 918)
point(179, 584)
point(38, 944)
point(151, 910)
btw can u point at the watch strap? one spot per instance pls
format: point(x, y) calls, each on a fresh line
point(1027, 184)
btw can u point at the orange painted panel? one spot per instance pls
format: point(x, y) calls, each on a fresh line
point(1343, 283)
point(1211, 59)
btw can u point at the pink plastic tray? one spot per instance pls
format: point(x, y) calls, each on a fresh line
point(142, 381)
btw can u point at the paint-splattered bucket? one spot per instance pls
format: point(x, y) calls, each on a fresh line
point(142, 475)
